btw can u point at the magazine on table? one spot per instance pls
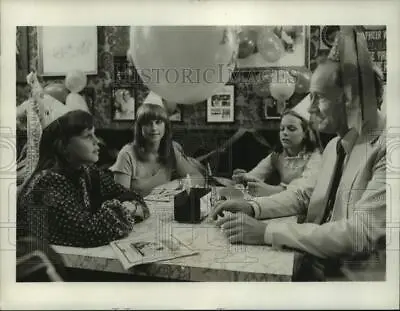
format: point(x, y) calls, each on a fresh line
point(133, 252)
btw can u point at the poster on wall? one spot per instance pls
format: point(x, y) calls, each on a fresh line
point(65, 48)
point(274, 46)
point(220, 106)
point(376, 40)
point(323, 37)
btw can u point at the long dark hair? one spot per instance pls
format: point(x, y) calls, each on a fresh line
point(145, 114)
point(55, 138)
point(310, 140)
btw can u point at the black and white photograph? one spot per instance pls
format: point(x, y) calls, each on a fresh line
point(216, 151)
point(124, 107)
point(125, 205)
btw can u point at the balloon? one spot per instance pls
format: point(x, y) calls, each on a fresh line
point(76, 102)
point(247, 43)
point(281, 91)
point(184, 64)
point(303, 78)
point(75, 81)
point(269, 46)
point(57, 90)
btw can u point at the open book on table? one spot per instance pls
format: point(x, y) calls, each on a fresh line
point(133, 252)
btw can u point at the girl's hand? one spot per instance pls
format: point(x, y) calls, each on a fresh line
point(238, 175)
point(142, 212)
point(139, 212)
point(130, 206)
point(137, 209)
point(249, 178)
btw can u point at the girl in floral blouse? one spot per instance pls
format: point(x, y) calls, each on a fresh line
point(68, 200)
point(297, 156)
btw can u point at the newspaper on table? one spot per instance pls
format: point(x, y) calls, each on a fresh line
point(162, 195)
point(137, 251)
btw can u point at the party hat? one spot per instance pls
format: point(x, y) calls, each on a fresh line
point(42, 110)
point(154, 99)
point(357, 74)
point(302, 108)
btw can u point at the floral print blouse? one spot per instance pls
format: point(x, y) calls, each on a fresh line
point(81, 208)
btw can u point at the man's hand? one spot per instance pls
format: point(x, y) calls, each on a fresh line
point(241, 228)
point(233, 206)
point(261, 189)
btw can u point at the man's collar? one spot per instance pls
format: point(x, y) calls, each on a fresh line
point(349, 140)
point(370, 131)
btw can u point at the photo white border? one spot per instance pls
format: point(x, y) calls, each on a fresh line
point(193, 295)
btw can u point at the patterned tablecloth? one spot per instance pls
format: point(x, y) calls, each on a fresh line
point(217, 259)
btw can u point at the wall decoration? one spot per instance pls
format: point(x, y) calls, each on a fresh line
point(123, 71)
point(89, 93)
point(114, 41)
point(277, 46)
point(62, 49)
point(322, 38)
point(22, 54)
point(177, 114)
point(376, 40)
point(124, 105)
point(271, 109)
point(328, 35)
point(221, 106)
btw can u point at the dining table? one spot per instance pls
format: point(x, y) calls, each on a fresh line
point(215, 258)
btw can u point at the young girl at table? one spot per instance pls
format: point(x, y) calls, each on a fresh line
point(152, 159)
point(296, 157)
point(67, 200)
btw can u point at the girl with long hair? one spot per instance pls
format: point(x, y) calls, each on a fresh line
point(152, 159)
point(296, 156)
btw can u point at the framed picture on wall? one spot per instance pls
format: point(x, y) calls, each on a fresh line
point(65, 48)
point(123, 104)
point(176, 115)
point(221, 106)
point(271, 109)
point(275, 46)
